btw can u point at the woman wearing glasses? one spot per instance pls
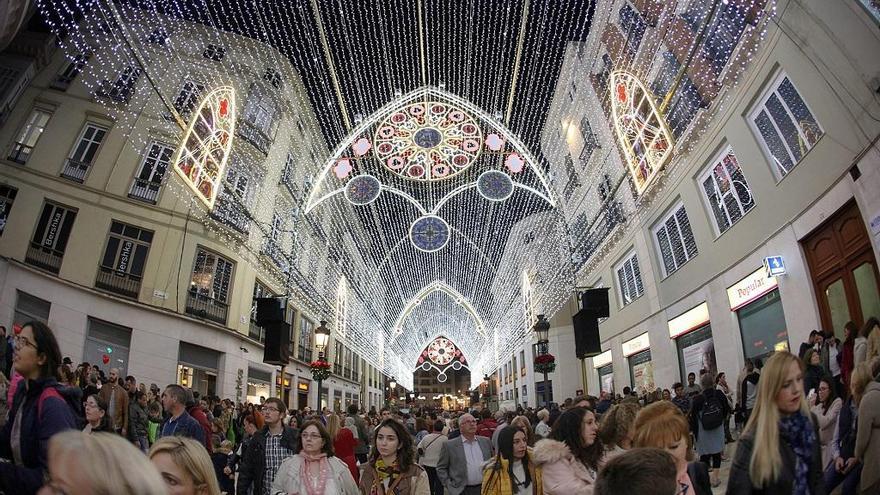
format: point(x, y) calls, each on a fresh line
point(97, 418)
point(778, 451)
point(38, 410)
point(315, 470)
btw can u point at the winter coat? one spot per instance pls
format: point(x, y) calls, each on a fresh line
point(496, 478)
point(740, 482)
point(868, 435)
point(562, 474)
point(55, 416)
point(873, 345)
point(287, 479)
point(253, 459)
point(138, 421)
point(343, 448)
point(827, 423)
point(860, 350)
point(199, 415)
point(414, 482)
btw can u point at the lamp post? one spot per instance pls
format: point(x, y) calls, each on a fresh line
point(542, 330)
point(322, 337)
point(392, 384)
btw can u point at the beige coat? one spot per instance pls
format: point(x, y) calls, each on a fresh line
point(868, 435)
point(873, 345)
point(562, 474)
point(827, 423)
point(287, 479)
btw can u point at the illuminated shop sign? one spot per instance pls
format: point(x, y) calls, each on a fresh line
point(602, 359)
point(637, 344)
point(750, 288)
point(692, 319)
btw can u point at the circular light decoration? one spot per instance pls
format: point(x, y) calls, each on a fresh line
point(429, 233)
point(441, 351)
point(363, 190)
point(428, 141)
point(456, 365)
point(494, 185)
point(426, 366)
point(441, 377)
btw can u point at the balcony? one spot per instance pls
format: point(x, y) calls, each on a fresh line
point(124, 284)
point(254, 135)
point(273, 251)
point(20, 153)
point(256, 332)
point(145, 191)
point(202, 306)
point(115, 91)
point(75, 170)
point(225, 213)
point(45, 258)
point(61, 83)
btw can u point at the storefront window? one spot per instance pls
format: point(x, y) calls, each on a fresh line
point(642, 372)
point(696, 352)
point(762, 325)
point(258, 385)
point(606, 378)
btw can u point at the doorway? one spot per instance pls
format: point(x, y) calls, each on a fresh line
point(843, 269)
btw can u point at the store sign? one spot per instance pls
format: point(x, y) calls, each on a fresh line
point(304, 386)
point(690, 320)
point(637, 344)
point(750, 288)
point(602, 359)
point(774, 265)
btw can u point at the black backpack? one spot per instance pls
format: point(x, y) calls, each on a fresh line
point(713, 412)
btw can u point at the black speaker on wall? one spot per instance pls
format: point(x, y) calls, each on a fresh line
point(586, 334)
point(276, 348)
point(596, 301)
point(269, 310)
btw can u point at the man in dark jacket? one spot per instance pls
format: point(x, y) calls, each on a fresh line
point(138, 421)
point(266, 449)
point(26, 474)
point(179, 422)
point(845, 467)
point(363, 444)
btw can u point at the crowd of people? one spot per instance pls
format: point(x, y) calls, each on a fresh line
point(802, 424)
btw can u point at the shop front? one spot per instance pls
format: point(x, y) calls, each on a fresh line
point(258, 385)
point(302, 393)
point(198, 368)
point(603, 366)
point(641, 369)
point(282, 387)
point(758, 307)
point(693, 339)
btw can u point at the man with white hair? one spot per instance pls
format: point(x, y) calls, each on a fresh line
point(460, 467)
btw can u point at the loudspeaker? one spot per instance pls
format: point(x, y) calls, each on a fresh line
point(586, 334)
point(596, 301)
point(276, 348)
point(269, 310)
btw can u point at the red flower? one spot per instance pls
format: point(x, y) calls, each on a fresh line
point(545, 359)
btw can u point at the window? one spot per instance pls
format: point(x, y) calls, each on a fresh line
point(122, 266)
point(287, 174)
point(188, 97)
point(629, 280)
point(123, 87)
point(590, 143)
point(687, 100)
point(214, 52)
point(211, 276)
point(30, 308)
point(337, 361)
point(158, 37)
point(304, 352)
point(726, 191)
point(233, 201)
point(7, 197)
point(633, 26)
point(273, 77)
point(522, 363)
point(148, 180)
point(30, 133)
point(82, 155)
point(50, 237)
point(675, 240)
point(786, 126)
point(259, 111)
point(722, 35)
point(63, 80)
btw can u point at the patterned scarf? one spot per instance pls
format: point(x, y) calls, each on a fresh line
point(383, 472)
point(314, 485)
point(797, 431)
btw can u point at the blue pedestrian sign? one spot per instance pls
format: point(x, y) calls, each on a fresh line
point(774, 265)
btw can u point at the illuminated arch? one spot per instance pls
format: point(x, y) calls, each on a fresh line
point(342, 307)
point(641, 129)
point(437, 286)
point(200, 160)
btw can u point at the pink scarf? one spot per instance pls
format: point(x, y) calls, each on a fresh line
point(314, 486)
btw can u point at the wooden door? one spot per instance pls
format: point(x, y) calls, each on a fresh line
point(843, 269)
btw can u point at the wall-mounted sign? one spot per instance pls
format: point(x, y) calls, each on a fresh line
point(691, 319)
point(637, 344)
point(774, 265)
point(602, 359)
point(303, 385)
point(750, 288)
point(642, 132)
point(201, 158)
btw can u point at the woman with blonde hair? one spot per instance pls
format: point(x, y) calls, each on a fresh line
point(185, 466)
point(617, 429)
point(779, 450)
point(99, 464)
point(523, 424)
point(662, 425)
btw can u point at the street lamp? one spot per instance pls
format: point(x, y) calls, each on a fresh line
point(542, 330)
point(322, 338)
